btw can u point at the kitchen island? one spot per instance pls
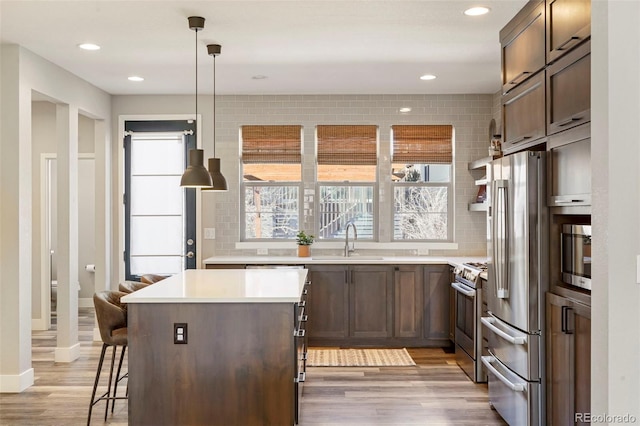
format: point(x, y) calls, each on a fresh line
point(217, 347)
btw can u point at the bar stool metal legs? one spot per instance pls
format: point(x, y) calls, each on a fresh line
point(107, 396)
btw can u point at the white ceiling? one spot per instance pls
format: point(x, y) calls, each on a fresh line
point(302, 46)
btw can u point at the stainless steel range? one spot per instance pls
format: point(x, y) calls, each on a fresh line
point(468, 311)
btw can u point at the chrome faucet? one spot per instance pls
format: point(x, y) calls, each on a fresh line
point(348, 250)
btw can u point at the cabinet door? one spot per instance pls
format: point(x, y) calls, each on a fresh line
point(523, 114)
point(559, 354)
point(328, 302)
point(523, 40)
point(407, 287)
point(569, 90)
point(581, 328)
point(568, 360)
point(568, 25)
point(371, 299)
point(436, 302)
point(569, 167)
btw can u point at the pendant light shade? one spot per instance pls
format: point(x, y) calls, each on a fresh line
point(196, 175)
point(219, 182)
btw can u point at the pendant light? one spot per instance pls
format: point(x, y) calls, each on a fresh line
point(196, 175)
point(219, 182)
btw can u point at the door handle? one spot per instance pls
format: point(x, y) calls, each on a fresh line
point(189, 255)
point(516, 387)
point(515, 340)
point(565, 320)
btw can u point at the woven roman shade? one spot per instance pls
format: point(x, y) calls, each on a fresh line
point(347, 144)
point(422, 144)
point(271, 144)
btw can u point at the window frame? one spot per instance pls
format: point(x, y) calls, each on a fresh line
point(375, 237)
point(243, 212)
point(450, 185)
point(243, 186)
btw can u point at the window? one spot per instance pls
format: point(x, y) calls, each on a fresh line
point(347, 167)
point(272, 174)
point(421, 174)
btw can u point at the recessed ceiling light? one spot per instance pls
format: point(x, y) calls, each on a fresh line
point(135, 78)
point(427, 77)
point(405, 109)
point(477, 11)
point(259, 77)
point(89, 46)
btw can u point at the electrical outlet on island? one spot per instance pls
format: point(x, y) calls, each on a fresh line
point(263, 251)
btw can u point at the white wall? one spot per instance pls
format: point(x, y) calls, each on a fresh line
point(615, 106)
point(22, 74)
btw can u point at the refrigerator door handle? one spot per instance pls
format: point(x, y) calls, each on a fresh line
point(500, 237)
point(514, 340)
point(516, 387)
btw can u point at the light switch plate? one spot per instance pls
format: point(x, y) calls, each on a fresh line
point(209, 233)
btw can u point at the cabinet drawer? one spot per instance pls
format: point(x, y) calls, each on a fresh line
point(569, 167)
point(568, 25)
point(569, 90)
point(523, 113)
point(523, 46)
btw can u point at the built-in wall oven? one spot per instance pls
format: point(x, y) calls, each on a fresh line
point(468, 310)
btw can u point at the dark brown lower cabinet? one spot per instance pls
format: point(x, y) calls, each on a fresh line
point(328, 303)
point(568, 361)
point(436, 303)
point(371, 301)
point(379, 305)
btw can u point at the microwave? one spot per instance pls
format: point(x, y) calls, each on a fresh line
point(575, 252)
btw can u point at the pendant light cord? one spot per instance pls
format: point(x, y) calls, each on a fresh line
point(214, 106)
point(196, 118)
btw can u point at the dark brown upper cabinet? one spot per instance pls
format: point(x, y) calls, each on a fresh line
point(523, 45)
point(568, 25)
point(569, 90)
point(523, 114)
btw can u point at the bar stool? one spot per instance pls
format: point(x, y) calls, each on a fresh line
point(131, 286)
point(151, 278)
point(112, 323)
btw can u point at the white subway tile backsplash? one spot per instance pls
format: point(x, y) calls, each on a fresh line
point(468, 113)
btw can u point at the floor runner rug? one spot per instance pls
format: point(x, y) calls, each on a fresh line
point(359, 358)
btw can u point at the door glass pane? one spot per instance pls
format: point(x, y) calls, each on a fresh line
point(156, 195)
point(156, 235)
point(163, 155)
point(156, 203)
point(161, 265)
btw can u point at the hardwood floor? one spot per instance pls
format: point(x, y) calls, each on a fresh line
point(435, 392)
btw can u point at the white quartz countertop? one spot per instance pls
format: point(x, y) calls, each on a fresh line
point(353, 259)
point(225, 286)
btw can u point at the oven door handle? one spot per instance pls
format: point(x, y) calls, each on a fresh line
point(516, 387)
point(461, 288)
point(488, 322)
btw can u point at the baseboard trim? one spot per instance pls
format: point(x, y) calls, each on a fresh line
point(10, 383)
point(69, 354)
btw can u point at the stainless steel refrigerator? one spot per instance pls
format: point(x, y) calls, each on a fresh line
point(518, 281)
